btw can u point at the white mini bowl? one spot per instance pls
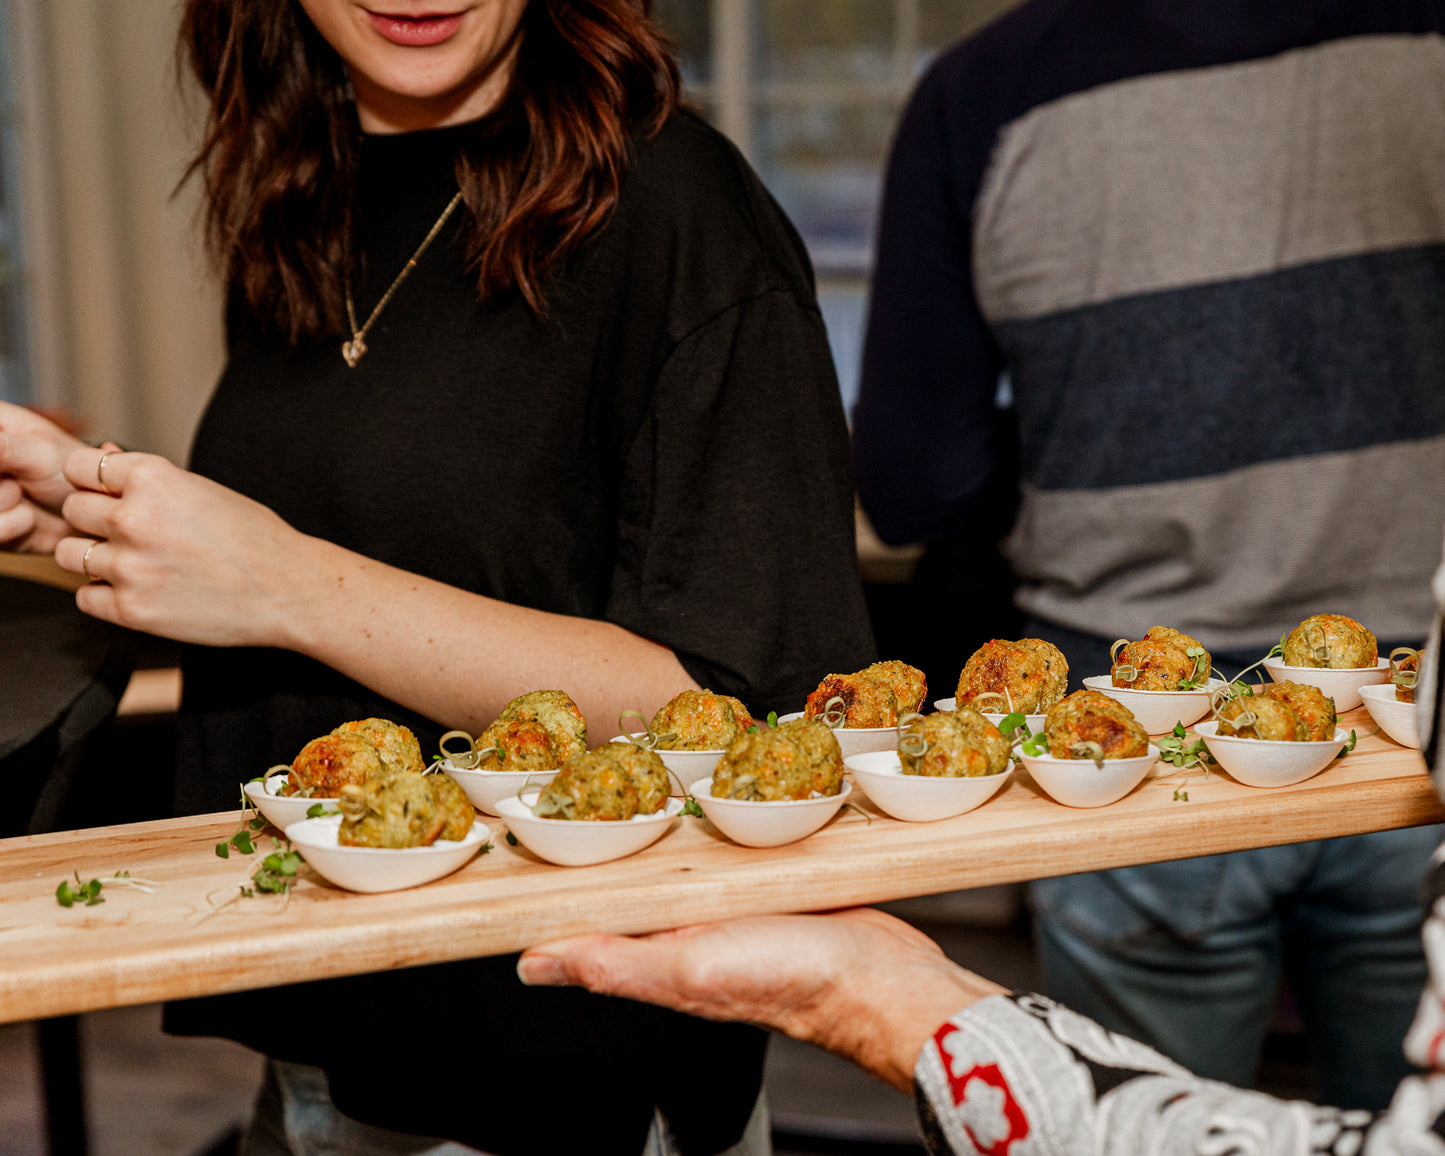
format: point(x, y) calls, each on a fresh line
point(857, 740)
point(1397, 719)
point(373, 869)
point(1264, 763)
point(1079, 783)
point(920, 798)
point(1158, 710)
point(687, 766)
point(281, 810)
point(486, 788)
point(577, 843)
point(754, 823)
point(1341, 685)
point(1035, 721)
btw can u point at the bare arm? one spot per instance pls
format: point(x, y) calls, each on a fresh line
point(183, 557)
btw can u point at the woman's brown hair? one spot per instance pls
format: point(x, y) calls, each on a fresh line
point(279, 159)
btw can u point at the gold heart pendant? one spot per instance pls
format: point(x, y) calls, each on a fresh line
point(353, 351)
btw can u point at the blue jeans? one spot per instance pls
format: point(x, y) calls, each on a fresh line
point(1187, 956)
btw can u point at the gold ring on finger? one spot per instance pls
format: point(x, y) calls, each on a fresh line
point(85, 562)
point(100, 472)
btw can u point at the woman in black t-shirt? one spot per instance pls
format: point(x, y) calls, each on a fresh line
point(590, 438)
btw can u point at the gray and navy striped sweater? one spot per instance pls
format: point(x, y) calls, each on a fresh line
point(1205, 240)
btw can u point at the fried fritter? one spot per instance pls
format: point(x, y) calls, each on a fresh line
point(1262, 717)
point(1090, 716)
point(1185, 643)
point(397, 809)
point(1156, 665)
point(867, 702)
point(959, 744)
point(799, 760)
point(1331, 640)
point(519, 744)
point(558, 714)
point(1314, 708)
point(698, 720)
point(1056, 671)
point(398, 746)
point(333, 761)
point(610, 784)
point(908, 684)
point(1031, 675)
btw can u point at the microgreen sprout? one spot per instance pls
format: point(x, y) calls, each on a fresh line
point(1013, 724)
point(66, 896)
point(1089, 750)
point(1348, 747)
point(1200, 675)
point(511, 839)
point(1181, 796)
point(250, 821)
point(90, 893)
point(691, 807)
point(319, 811)
point(1037, 744)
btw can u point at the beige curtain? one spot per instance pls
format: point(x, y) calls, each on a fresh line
point(125, 314)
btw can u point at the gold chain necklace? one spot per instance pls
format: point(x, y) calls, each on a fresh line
point(355, 349)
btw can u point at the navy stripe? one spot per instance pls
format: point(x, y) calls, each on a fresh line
point(1316, 359)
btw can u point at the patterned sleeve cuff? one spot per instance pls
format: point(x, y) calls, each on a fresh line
point(1019, 1075)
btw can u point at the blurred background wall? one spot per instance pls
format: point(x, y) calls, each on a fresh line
point(108, 310)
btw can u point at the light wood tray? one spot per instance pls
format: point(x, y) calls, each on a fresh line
point(137, 948)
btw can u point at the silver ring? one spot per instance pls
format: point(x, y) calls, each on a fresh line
point(100, 472)
point(85, 562)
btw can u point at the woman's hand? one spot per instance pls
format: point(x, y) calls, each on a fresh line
point(26, 528)
point(859, 983)
point(173, 553)
point(33, 452)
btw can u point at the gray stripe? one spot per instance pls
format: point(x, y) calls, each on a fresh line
point(1238, 558)
point(1203, 175)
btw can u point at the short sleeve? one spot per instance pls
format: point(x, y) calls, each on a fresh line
point(736, 545)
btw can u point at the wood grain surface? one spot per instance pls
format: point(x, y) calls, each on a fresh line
point(137, 948)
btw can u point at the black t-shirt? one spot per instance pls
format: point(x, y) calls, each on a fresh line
point(665, 450)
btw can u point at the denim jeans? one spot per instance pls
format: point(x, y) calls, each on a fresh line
point(1188, 956)
point(294, 1116)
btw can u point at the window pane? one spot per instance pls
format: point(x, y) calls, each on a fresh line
point(688, 24)
point(941, 22)
point(14, 371)
point(831, 40)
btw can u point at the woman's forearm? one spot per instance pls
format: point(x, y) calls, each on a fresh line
point(459, 657)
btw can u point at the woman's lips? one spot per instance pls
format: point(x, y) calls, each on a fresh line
point(415, 31)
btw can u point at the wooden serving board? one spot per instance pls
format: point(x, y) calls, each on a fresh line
point(137, 948)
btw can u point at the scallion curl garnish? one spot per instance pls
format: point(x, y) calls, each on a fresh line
point(1005, 700)
point(913, 743)
point(1128, 672)
point(647, 738)
point(467, 760)
point(834, 712)
point(1408, 679)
